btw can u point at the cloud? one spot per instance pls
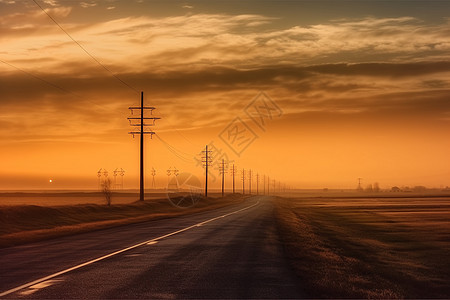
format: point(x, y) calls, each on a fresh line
point(222, 60)
point(188, 6)
point(30, 28)
point(87, 4)
point(332, 78)
point(51, 2)
point(383, 69)
point(191, 41)
point(110, 7)
point(100, 102)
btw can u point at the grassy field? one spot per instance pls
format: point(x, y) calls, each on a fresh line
point(21, 224)
point(368, 247)
point(58, 198)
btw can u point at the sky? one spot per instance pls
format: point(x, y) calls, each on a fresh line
point(313, 94)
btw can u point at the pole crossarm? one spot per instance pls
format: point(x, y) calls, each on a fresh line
point(139, 132)
point(144, 118)
point(144, 107)
point(142, 130)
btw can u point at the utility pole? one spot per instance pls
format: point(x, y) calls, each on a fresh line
point(264, 185)
point(359, 184)
point(233, 173)
point(99, 175)
point(169, 172)
point(274, 186)
point(142, 131)
point(206, 161)
point(115, 172)
point(268, 185)
point(250, 181)
point(222, 171)
point(153, 178)
point(257, 184)
point(121, 173)
point(243, 181)
point(176, 172)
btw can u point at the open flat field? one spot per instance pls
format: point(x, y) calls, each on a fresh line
point(368, 247)
point(59, 198)
point(72, 214)
point(56, 198)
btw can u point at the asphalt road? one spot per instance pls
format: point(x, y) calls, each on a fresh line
point(232, 252)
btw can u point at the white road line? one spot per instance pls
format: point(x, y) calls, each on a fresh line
point(152, 241)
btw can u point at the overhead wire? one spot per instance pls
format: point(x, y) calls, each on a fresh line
point(99, 63)
point(176, 152)
point(84, 49)
point(54, 85)
point(39, 78)
point(176, 130)
point(167, 145)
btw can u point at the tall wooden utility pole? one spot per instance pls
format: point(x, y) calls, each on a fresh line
point(233, 173)
point(250, 181)
point(139, 122)
point(243, 181)
point(222, 170)
point(206, 161)
point(257, 184)
point(141, 185)
point(264, 184)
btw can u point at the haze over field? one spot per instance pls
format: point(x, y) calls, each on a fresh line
point(362, 89)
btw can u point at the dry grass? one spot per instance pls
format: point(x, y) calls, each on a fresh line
point(27, 223)
point(368, 248)
point(59, 198)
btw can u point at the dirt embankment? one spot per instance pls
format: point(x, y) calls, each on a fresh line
point(29, 223)
point(349, 250)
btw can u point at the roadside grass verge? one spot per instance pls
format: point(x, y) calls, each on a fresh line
point(28, 223)
point(359, 248)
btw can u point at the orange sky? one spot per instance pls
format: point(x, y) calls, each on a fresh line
point(361, 90)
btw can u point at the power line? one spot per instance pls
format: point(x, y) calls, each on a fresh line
point(174, 150)
point(176, 130)
point(100, 64)
point(55, 85)
point(84, 49)
point(39, 78)
point(173, 147)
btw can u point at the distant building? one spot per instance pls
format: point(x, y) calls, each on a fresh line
point(395, 189)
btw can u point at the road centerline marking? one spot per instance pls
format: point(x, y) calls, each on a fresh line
point(149, 242)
